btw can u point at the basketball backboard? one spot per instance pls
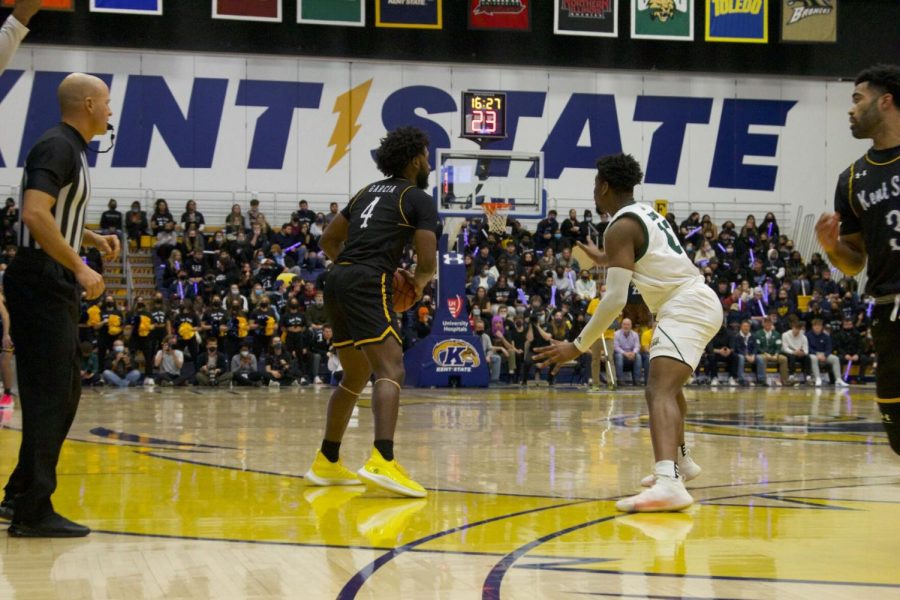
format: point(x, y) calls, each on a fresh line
point(467, 179)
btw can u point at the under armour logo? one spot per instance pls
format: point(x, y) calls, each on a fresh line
point(453, 258)
point(862, 173)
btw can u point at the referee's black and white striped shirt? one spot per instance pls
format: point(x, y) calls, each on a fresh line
point(57, 165)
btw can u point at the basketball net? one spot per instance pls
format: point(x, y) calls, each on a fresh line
point(495, 213)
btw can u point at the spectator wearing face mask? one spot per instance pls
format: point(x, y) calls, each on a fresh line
point(136, 224)
point(212, 366)
point(280, 366)
point(547, 233)
point(111, 221)
point(142, 336)
point(108, 328)
point(186, 323)
point(244, 368)
point(90, 365)
point(263, 325)
point(120, 371)
point(214, 322)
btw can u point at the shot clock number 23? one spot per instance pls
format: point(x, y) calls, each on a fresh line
point(484, 115)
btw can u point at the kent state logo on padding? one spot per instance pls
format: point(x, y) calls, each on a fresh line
point(455, 353)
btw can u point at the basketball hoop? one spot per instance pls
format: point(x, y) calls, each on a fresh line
point(495, 213)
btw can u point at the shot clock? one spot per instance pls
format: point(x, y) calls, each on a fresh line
point(484, 115)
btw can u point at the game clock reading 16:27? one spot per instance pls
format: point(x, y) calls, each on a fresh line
point(484, 115)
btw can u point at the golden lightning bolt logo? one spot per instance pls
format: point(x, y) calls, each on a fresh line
point(347, 106)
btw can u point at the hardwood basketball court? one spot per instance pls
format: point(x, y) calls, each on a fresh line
point(198, 493)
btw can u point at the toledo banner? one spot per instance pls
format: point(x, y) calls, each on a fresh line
point(809, 20)
point(409, 14)
point(597, 18)
point(745, 21)
point(662, 20)
point(332, 12)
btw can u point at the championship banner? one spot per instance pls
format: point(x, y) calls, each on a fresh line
point(599, 18)
point(247, 10)
point(809, 20)
point(332, 12)
point(409, 14)
point(135, 7)
point(45, 4)
point(512, 15)
point(742, 21)
point(671, 20)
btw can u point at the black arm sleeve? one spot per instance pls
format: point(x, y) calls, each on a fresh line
point(843, 204)
point(49, 166)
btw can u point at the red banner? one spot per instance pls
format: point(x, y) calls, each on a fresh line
point(500, 14)
point(248, 10)
point(46, 4)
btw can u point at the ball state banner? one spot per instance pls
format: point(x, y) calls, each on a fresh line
point(135, 7)
point(500, 14)
point(809, 20)
point(662, 20)
point(743, 21)
point(247, 10)
point(597, 18)
point(409, 14)
point(332, 12)
point(451, 350)
point(46, 4)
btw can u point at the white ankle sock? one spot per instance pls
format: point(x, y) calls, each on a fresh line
point(666, 468)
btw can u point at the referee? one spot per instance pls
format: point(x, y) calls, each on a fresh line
point(42, 291)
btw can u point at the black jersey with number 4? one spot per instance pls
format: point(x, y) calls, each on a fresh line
point(383, 217)
point(868, 199)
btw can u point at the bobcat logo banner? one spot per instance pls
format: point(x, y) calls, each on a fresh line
point(662, 20)
point(455, 356)
point(598, 18)
point(809, 20)
point(744, 21)
point(500, 14)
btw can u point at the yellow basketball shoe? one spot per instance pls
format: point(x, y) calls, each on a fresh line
point(325, 472)
point(390, 476)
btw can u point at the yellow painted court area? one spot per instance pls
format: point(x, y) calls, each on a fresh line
point(200, 495)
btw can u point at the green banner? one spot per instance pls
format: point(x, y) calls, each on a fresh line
point(332, 12)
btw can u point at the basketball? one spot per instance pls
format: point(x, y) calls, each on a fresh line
point(404, 293)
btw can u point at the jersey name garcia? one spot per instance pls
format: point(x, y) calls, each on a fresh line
point(662, 266)
point(383, 217)
point(868, 198)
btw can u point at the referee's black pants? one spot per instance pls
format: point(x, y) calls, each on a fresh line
point(42, 299)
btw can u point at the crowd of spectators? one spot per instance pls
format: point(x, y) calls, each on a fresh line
point(241, 303)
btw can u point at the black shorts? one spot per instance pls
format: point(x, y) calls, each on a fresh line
point(885, 333)
point(359, 304)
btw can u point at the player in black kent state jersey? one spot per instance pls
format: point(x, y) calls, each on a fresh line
point(866, 224)
point(366, 240)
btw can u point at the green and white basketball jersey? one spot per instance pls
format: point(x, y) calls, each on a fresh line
point(662, 267)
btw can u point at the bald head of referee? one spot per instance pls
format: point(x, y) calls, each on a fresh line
point(42, 289)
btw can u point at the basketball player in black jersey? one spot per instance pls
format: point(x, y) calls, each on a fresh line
point(866, 224)
point(366, 240)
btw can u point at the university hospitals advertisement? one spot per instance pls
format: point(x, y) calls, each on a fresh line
point(210, 127)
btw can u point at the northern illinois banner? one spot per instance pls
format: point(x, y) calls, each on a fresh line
point(332, 12)
point(500, 14)
point(662, 20)
point(46, 4)
point(599, 18)
point(136, 7)
point(247, 10)
point(745, 21)
point(809, 20)
point(409, 14)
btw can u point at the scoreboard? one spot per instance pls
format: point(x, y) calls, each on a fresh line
point(484, 115)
